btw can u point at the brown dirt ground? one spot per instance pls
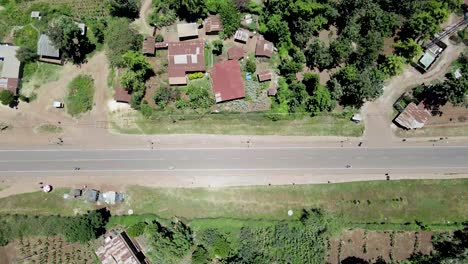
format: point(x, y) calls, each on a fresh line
point(450, 115)
point(377, 243)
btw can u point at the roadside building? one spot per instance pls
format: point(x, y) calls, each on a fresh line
point(9, 68)
point(414, 116)
point(227, 81)
point(213, 25)
point(431, 54)
point(122, 96)
point(264, 48)
point(272, 91)
point(149, 45)
point(241, 35)
point(235, 53)
point(264, 76)
point(46, 50)
point(187, 31)
point(185, 57)
point(119, 248)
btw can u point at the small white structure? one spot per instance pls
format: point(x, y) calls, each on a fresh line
point(57, 104)
point(47, 188)
point(290, 212)
point(36, 14)
point(356, 118)
point(248, 19)
point(457, 74)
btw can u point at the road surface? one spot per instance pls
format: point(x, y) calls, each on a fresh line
point(235, 161)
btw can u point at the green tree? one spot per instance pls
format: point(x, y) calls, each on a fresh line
point(320, 101)
point(84, 228)
point(311, 81)
point(67, 37)
point(124, 8)
point(393, 65)
point(26, 55)
point(137, 229)
point(408, 48)
point(251, 65)
point(369, 49)
point(120, 38)
point(277, 30)
point(217, 47)
point(230, 17)
point(137, 63)
point(7, 97)
point(200, 97)
point(339, 50)
point(317, 55)
point(164, 95)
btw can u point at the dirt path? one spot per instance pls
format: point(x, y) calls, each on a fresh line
point(378, 114)
point(142, 23)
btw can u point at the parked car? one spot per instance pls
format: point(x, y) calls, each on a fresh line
point(58, 104)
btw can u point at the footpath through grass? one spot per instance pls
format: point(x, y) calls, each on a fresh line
point(241, 124)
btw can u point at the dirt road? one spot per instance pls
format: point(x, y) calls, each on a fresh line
point(141, 23)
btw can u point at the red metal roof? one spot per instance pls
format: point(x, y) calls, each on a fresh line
point(148, 45)
point(264, 48)
point(186, 57)
point(264, 76)
point(122, 95)
point(213, 24)
point(161, 45)
point(227, 81)
point(235, 53)
point(12, 85)
point(414, 116)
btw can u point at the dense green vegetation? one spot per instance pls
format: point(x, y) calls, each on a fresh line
point(80, 95)
point(80, 228)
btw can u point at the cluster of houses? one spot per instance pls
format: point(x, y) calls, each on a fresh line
point(93, 196)
point(187, 55)
point(10, 66)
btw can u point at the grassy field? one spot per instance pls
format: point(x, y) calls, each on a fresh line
point(429, 201)
point(41, 203)
point(38, 73)
point(241, 124)
point(397, 204)
point(433, 131)
point(48, 129)
point(80, 95)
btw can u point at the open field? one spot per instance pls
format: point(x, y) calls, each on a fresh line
point(238, 124)
point(379, 204)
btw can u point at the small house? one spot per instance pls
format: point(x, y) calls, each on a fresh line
point(227, 81)
point(92, 195)
point(264, 48)
point(414, 116)
point(213, 25)
point(264, 76)
point(36, 15)
point(120, 248)
point(272, 91)
point(149, 45)
point(235, 53)
point(161, 45)
point(187, 31)
point(76, 193)
point(241, 35)
point(46, 50)
point(122, 96)
point(9, 68)
point(431, 54)
point(185, 57)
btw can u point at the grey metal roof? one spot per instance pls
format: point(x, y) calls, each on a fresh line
point(46, 48)
point(11, 65)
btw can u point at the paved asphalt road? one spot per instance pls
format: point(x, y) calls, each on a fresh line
point(235, 160)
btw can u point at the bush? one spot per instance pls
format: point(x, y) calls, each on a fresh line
point(196, 75)
point(217, 47)
point(137, 229)
point(165, 94)
point(7, 97)
point(80, 95)
point(251, 65)
point(200, 256)
point(159, 38)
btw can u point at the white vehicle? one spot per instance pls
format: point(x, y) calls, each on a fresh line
point(57, 104)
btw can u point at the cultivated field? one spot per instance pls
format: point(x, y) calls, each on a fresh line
point(46, 250)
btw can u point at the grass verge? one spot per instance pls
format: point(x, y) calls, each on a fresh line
point(80, 95)
point(48, 129)
point(432, 131)
point(241, 124)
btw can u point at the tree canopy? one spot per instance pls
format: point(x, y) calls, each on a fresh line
point(124, 8)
